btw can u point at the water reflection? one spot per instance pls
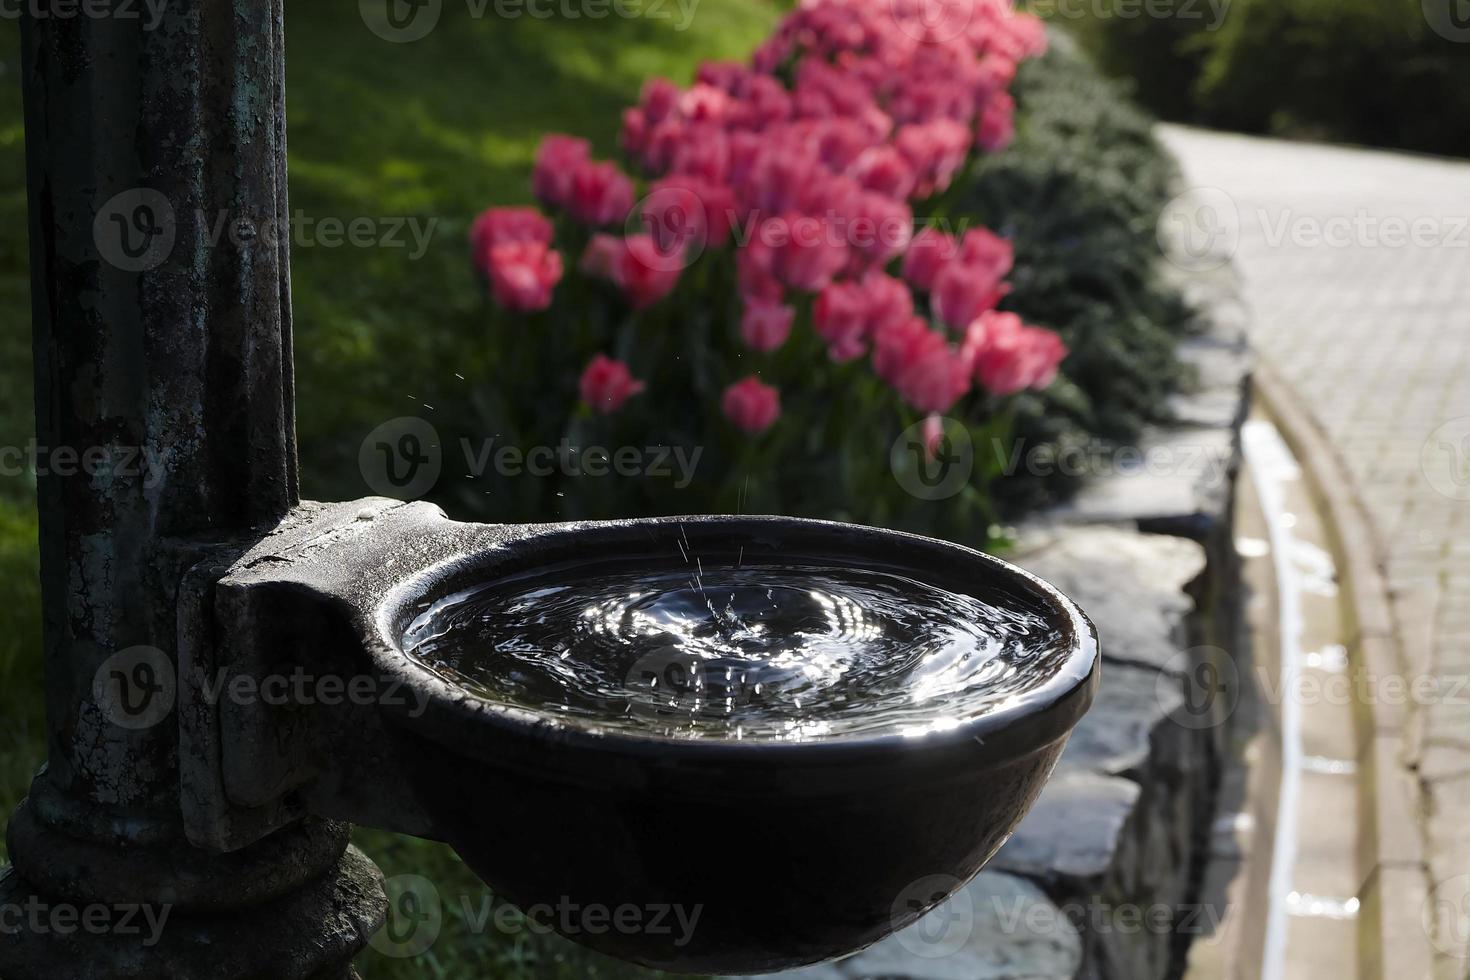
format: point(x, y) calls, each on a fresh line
point(757, 651)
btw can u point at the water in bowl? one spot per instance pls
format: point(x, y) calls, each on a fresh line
point(799, 651)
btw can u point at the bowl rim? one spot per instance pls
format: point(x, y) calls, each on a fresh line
point(447, 712)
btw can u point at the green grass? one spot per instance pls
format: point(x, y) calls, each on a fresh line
point(438, 130)
point(435, 130)
point(22, 739)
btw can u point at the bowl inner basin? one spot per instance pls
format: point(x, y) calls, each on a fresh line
point(714, 643)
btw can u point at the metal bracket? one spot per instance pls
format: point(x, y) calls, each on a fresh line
point(278, 701)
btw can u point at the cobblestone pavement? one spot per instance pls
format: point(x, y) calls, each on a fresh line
point(1356, 266)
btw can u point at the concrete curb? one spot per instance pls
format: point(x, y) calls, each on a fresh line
point(1392, 864)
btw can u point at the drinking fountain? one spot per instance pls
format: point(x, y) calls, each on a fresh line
point(792, 844)
point(778, 725)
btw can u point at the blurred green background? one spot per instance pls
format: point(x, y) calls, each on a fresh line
point(1388, 73)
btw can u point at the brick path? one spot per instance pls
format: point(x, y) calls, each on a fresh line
point(1373, 335)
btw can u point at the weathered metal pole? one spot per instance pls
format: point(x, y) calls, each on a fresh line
point(156, 153)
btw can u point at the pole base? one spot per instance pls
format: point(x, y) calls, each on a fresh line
point(310, 934)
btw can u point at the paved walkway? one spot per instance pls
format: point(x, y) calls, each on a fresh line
point(1357, 267)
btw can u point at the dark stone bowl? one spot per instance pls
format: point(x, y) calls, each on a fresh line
point(717, 856)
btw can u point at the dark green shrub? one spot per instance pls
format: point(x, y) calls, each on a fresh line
point(1159, 59)
point(1362, 71)
point(1080, 193)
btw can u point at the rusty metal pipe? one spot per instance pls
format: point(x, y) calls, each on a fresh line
point(156, 154)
